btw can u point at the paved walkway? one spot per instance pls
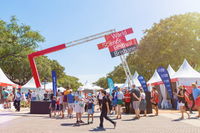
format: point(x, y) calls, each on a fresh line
point(166, 122)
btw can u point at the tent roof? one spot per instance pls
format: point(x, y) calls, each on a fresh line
point(135, 80)
point(88, 86)
point(154, 78)
point(30, 84)
point(170, 71)
point(186, 71)
point(4, 79)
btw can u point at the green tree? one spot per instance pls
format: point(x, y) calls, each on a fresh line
point(168, 42)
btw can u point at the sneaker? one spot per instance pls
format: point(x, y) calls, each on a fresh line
point(115, 123)
point(81, 121)
point(100, 128)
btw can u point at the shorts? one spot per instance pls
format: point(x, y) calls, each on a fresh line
point(53, 109)
point(114, 103)
point(90, 111)
point(57, 107)
point(61, 107)
point(70, 105)
point(136, 105)
point(65, 105)
point(197, 102)
point(181, 104)
point(119, 102)
point(78, 108)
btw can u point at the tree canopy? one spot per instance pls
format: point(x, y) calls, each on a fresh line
point(16, 42)
point(168, 42)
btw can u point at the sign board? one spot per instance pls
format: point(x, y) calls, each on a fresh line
point(117, 44)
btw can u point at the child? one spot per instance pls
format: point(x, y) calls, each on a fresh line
point(52, 107)
point(90, 103)
point(58, 105)
point(79, 109)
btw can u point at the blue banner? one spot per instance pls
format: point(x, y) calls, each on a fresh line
point(110, 85)
point(164, 75)
point(143, 83)
point(54, 81)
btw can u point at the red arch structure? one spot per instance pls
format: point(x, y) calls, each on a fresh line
point(116, 42)
point(33, 55)
point(40, 53)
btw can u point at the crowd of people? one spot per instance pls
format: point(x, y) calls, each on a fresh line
point(17, 98)
point(117, 102)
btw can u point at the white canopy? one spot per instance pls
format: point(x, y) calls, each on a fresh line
point(4, 79)
point(88, 86)
point(186, 71)
point(30, 84)
point(186, 75)
point(135, 80)
point(154, 78)
point(170, 71)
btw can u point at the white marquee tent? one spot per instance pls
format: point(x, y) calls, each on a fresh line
point(135, 80)
point(30, 84)
point(4, 79)
point(186, 75)
point(170, 71)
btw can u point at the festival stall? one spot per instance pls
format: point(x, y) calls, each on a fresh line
point(5, 82)
point(186, 75)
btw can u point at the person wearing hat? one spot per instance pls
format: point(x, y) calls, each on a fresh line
point(78, 109)
point(196, 96)
point(70, 100)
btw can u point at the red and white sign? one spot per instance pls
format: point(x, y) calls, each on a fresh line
point(106, 44)
point(123, 45)
point(119, 34)
point(117, 44)
point(115, 38)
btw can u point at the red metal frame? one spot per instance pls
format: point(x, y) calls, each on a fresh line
point(40, 53)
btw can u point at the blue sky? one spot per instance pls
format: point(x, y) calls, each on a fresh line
point(61, 21)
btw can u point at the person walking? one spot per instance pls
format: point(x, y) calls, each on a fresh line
point(143, 102)
point(100, 97)
point(196, 96)
point(90, 108)
point(136, 98)
point(104, 110)
point(155, 99)
point(127, 100)
point(114, 102)
point(18, 96)
point(78, 109)
point(70, 100)
point(181, 102)
point(52, 107)
point(120, 97)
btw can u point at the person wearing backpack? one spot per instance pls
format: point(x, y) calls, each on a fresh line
point(196, 95)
